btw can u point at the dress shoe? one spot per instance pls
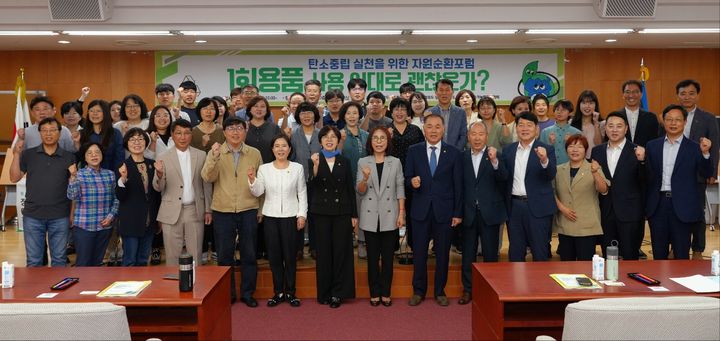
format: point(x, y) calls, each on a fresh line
point(375, 301)
point(155, 257)
point(415, 300)
point(294, 301)
point(442, 301)
point(465, 299)
point(335, 302)
point(275, 300)
point(249, 301)
point(386, 301)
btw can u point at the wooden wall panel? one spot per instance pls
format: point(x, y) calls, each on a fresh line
point(604, 71)
point(110, 75)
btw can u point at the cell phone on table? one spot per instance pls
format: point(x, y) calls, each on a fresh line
point(645, 279)
point(65, 283)
point(584, 281)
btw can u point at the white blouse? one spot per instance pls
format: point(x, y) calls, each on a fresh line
point(285, 191)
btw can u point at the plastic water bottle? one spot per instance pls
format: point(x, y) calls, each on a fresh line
point(715, 265)
point(598, 264)
point(612, 261)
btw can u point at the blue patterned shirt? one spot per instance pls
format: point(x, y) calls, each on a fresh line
point(94, 194)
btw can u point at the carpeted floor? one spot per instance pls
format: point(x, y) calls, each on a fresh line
point(354, 320)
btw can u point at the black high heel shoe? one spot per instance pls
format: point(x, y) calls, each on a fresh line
point(335, 302)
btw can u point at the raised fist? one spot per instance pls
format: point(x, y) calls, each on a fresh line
point(640, 153)
point(215, 149)
point(415, 182)
point(541, 154)
point(366, 172)
point(594, 166)
point(705, 145)
point(315, 159)
point(73, 171)
point(492, 154)
point(251, 174)
point(159, 168)
point(123, 173)
point(551, 138)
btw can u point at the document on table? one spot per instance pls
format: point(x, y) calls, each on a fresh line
point(124, 289)
point(699, 283)
point(569, 281)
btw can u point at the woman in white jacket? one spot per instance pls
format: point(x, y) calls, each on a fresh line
point(284, 213)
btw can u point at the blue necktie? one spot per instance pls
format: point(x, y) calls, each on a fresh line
point(433, 160)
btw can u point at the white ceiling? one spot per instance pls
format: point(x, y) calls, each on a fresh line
point(405, 15)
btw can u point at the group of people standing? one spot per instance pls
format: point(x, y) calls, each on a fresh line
point(229, 176)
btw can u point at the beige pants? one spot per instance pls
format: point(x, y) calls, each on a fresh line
point(187, 231)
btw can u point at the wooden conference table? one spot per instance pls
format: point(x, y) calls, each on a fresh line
point(160, 310)
point(521, 301)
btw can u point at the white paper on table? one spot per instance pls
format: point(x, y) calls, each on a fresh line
point(658, 288)
point(698, 283)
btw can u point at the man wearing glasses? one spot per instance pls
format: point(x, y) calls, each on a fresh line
point(47, 208)
point(234, 208)
point(643, 125)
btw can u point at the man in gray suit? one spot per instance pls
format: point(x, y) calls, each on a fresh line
point(185, 207)
point(454, 116)
point(699, 124)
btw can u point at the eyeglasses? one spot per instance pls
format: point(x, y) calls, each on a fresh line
point(632, 92)
point(357, 90)
point(132, 106)
point(136, 140)
point(253, 93)
point(236, 128)
point(48, 131)
point(379, 138)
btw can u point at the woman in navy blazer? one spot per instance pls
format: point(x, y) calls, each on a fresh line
point(333, 207)
point(139, 202)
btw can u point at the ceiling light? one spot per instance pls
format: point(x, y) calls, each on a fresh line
point(63, 42)
point(118, 33)
point(580, 31)
point(681, 30)
point(610, 40)
point(201, 41)
point(28, 33)
point(460, 32)
point(350, 32)
point(471, 41)
point(232, 33)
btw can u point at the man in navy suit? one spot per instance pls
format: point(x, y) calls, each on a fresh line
point(454, 116)
point(531, 201)
point(622, 210)
point(433, 170)
point(484, 178)
point(699, 124)
point(674, 164)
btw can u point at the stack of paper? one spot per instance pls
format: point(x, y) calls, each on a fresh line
point(699, 283)
point(124, 289)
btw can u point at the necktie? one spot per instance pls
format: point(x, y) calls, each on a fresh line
point(433, 160)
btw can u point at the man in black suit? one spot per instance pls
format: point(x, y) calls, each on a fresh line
point(699, 124)
point(643, 126)
point(622, 209)
point(484, 178)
